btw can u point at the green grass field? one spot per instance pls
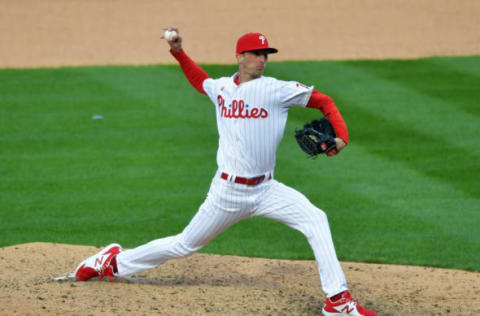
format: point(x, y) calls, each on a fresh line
point(406, 190)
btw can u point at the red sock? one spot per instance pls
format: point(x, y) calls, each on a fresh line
point(113, 263)
point(336, 297)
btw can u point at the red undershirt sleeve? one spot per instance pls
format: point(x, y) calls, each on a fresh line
point(326, 105)
point(194, 73)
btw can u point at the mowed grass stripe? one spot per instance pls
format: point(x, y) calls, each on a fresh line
point(433, 77)
point(431, 133)
point(418, 213)
point(142, 171)
point(388, 92)
point(115, 160)
point(380, 209)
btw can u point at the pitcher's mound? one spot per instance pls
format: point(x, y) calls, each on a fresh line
point(222, 285)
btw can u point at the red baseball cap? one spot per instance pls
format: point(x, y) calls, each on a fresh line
point(254, 41)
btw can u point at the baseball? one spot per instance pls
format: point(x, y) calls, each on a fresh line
point(169, 34)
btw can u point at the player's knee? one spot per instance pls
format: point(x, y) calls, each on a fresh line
point(183, 249)
point(316, 215)
point(316, 226)
point(321, 216)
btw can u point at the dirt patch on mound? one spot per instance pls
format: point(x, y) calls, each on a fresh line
point(222, 285)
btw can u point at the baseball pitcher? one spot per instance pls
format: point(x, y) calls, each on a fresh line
point(251, 112)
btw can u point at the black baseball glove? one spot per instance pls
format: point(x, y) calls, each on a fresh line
point(316, 137)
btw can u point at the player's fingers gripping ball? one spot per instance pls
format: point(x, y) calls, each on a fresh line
point(317, 137)
point(169, 34)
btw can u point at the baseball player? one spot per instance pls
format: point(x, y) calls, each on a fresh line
point(251, 111)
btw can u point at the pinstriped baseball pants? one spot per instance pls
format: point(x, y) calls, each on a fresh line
point(227, 203)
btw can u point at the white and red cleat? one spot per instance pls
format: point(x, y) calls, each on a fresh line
point(98, 265)
point(345, 306)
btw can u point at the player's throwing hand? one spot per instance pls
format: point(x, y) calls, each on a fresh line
point(173, 37)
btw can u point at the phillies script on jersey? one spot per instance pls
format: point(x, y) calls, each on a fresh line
point(238, 109)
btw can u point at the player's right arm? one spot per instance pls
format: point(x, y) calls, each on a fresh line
point(194, 73)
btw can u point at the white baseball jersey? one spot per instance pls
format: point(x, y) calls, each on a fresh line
point(251, 120)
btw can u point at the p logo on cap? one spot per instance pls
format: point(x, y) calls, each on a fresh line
point(254, 41)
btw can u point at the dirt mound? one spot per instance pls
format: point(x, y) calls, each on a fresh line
point(222, 285)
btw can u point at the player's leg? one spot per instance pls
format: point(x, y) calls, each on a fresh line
point(292, 208)
point(204, 226)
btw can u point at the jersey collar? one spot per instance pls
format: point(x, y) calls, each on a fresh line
point(235, 79)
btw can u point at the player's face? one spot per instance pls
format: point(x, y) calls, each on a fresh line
point(253, 63)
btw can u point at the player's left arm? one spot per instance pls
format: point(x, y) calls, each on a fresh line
point(325, 104)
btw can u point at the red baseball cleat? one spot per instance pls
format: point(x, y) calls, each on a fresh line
point(98, 265)
point(345, 306)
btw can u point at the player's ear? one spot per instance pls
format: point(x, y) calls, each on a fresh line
point(240, 57)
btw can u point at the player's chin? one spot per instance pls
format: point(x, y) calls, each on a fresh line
point(259, 72)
